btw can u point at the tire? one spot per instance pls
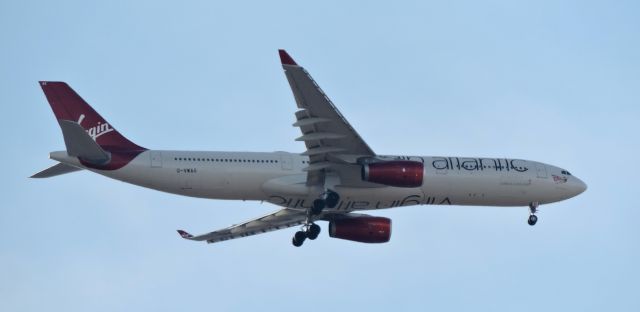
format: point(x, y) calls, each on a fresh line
point(314, 231)
point(298, 238)
point(318, 206)
point(332, 199)
point(533, 219)
point(295, 242)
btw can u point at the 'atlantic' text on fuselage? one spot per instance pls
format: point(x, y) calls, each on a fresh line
point(471, 164)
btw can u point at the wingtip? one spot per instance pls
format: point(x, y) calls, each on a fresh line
point(184, 234)
point(46, 82)
point(285, 58)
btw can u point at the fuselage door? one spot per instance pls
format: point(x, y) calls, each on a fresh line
point(286, 161)
point(541, 170)
point(156, 159)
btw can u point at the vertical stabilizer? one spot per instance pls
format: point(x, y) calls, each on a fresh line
point(68, 105)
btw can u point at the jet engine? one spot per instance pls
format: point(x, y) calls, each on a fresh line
point(361, 229)
point(399, 173)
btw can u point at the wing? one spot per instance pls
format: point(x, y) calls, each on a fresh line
point(325, 132)
point(280, 219)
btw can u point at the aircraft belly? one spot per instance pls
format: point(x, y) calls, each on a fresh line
point(357, 199)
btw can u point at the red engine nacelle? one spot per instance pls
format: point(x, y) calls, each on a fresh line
point(399, 173)
point(361, 229)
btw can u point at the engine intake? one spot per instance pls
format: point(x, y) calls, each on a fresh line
point(361, 229)
point(399, 173)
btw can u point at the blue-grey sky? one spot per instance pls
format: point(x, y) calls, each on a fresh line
point(554, 81)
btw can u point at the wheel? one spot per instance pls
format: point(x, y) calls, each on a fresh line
point(332, 199)
point(318, 205)
point(298, 238)
point(313, 232)
point(295, 242)
point(533, 219)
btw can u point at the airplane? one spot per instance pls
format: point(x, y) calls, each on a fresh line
point(336, 178)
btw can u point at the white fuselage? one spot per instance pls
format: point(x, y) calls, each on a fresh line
point(279, 178)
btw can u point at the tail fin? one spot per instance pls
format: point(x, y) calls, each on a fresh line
point(68, 105)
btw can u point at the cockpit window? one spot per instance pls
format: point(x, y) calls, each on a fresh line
point(565, 172)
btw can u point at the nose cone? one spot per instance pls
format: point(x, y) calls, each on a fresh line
point(577, 186)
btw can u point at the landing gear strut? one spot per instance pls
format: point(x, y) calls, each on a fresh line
point(533, 208)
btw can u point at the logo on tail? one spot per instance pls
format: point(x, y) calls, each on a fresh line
point(97, 130)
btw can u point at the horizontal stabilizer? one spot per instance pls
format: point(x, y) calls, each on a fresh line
point(55, 170)
point(80, 144)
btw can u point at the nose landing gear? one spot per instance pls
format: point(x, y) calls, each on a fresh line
point(533, 208)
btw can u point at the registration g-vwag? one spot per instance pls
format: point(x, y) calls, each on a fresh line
point(334, 179)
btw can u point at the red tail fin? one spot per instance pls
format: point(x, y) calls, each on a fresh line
point(68, 105)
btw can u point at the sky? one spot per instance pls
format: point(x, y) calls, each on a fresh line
point(552, 81)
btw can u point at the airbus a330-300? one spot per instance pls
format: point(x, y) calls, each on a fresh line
point(334, 179)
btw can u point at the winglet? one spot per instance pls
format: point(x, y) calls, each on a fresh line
point(184, 234)
point(285, 58)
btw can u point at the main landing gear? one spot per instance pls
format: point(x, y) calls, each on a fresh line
point(311, 230)
point(327, 199)
point(533, 208)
